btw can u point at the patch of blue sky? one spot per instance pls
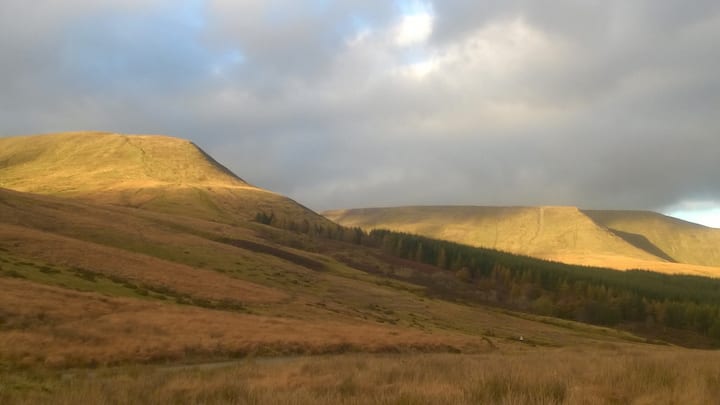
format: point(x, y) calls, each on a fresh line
point(358, 24)
point(161, 49)
point(275, 13)
point(414, 7)
point(192, 13)
point(227, 60)
point(318, 6)
point(704, 213)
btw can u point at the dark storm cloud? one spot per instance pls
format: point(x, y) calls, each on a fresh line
point(608, 104)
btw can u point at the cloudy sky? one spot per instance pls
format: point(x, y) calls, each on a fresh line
point(352, 103)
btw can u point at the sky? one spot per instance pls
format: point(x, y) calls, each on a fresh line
point(611, 104)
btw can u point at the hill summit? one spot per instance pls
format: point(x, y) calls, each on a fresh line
point(155, 172)
point(72, 161)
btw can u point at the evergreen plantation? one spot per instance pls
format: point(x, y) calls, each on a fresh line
point(636, 299)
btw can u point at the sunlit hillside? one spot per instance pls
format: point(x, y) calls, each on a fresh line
point(190, 288)
point(675, 239)
point(621, 240)
point(159, 173)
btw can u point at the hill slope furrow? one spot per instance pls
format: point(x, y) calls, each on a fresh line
point(272, 251)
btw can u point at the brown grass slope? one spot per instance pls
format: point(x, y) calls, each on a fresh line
point(149, 171)
point(98, 284)
point(564, 234)
point(592, 375)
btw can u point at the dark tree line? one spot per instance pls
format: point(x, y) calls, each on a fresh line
point(588, 294)
point(593, 295)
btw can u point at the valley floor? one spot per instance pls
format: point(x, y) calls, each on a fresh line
point(607, 374)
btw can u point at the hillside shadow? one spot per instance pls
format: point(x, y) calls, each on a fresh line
point(641, 242)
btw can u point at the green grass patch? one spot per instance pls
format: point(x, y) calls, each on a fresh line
point(70, 277)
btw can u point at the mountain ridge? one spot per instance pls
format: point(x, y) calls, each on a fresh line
point(560, 233)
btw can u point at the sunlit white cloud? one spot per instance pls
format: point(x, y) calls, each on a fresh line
point(419, 70)
point(414, 29)
point(415, 24)
point(484, 79)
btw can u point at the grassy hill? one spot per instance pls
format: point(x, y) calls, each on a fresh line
point(192, 288)
point(78, 161)
point(567, 234)
point(677, 240)
point(124, 260)
point(154, 225)
point(157, 173)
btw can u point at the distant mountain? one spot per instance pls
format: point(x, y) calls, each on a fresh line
point(671, 238)
point(154, 172)
point(616, 239)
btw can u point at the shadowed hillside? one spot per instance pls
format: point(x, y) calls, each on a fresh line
point(152, 172)
point(564, 234)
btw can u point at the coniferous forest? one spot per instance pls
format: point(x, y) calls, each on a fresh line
point(592, 295)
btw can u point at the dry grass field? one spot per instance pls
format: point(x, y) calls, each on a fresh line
point(61, 328)
point(114, 285)
point(617, 239)
point(589, 375)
